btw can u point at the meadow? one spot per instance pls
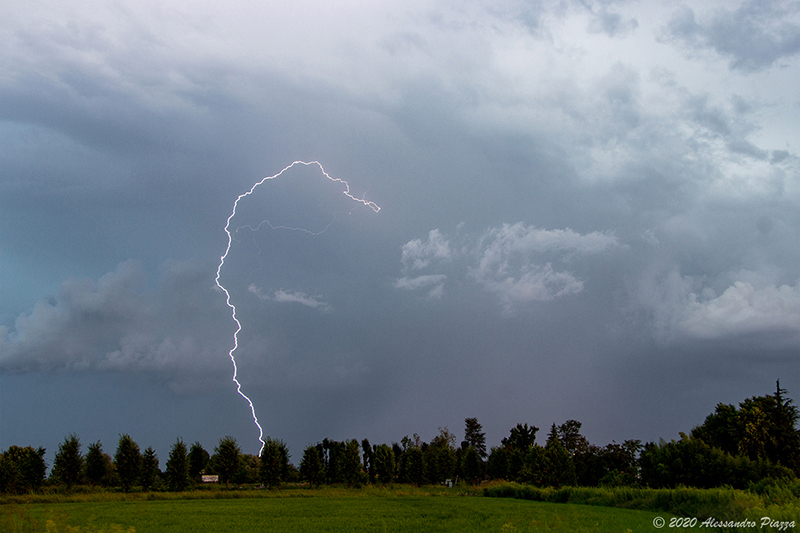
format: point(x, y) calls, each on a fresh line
point(499, 506)
point(430, 509)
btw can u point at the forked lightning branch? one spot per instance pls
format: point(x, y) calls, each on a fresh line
point(371, 205)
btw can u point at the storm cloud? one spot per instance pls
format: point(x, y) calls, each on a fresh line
point(117, 324)
point(754, 36)
point(589, 210)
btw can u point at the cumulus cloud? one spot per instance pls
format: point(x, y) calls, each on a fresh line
point(686, 307)
point(115, 324)
point(508, 264)
point(532, 283)
point(509, 261)
point(743, 309)
point(86, 314)
point(754, 36)
point(418, 254)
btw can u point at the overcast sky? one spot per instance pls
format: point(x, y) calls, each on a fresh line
point(588, 210)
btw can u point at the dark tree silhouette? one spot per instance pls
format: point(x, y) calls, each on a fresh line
point(150, 472)
point(22, 469)
point(68, 463)
point(311, 467)
point(198, 459)
point(227, 458)
point(127, 460)
point(177, 472)
point(274, 463)
point(384, 464)
point(474, 436)
point(96, 466)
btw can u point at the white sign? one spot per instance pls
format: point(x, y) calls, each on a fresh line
point(211, 479)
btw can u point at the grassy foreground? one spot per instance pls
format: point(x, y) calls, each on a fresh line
point(355, 510)
point(768, 507)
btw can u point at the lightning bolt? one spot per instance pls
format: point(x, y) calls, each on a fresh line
point(371, 205)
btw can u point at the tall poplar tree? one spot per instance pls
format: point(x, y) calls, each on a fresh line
point(273, 463)
point(311, 466)
point(384, 464)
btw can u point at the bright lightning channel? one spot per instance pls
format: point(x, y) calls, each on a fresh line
point(371, 205)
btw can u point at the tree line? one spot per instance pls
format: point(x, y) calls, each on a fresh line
point(735, 446)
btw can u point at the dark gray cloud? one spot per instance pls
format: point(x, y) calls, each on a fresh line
point(610, 22)
point(572, 226)
point(116, 324)
point(754, 36)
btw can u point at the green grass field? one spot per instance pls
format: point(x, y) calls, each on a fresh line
point(327, 510)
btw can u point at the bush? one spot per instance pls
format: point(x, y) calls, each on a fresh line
point(720, 503)
point(693, 463)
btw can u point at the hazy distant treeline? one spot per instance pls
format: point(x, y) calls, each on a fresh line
point(735, 446)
